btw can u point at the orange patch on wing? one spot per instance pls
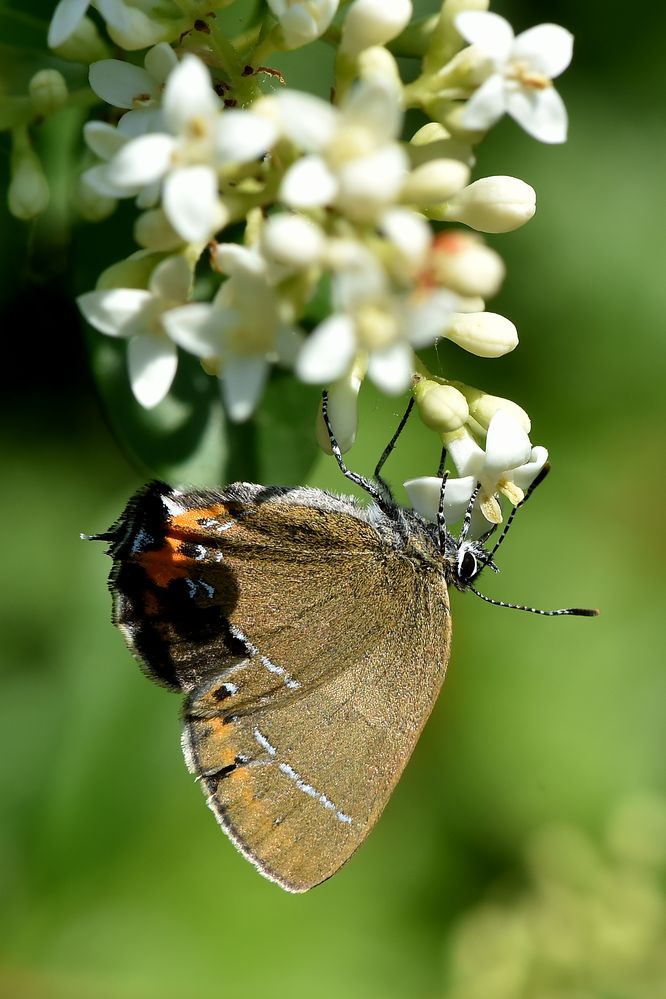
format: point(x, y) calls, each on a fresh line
point(187, 522)
point(166, 563)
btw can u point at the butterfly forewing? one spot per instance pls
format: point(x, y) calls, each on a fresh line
point(311, 646)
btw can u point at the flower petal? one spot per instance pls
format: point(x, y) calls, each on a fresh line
point(424, 496)
point(328, 351)
point(430, 316)
point(171, 279)
point(160, 61)
point(121, 84)
point(540, 112)
point(114, 311)
point(486, 105)
point(308, 184)
point(489, 32)
point(243, 380)
point(306, 120)
point(196, 328)
point(104, 140)
point(466, 455)
point(391, 369)
point(141, 161)
point(190, 202)
point(189, 95)
point(368, 183)
point(241, 136)
point(66, 18)
point(525, 475)
point(507, 444)
point(152, 362)
point(547, 48)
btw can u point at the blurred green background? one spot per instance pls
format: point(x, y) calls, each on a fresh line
point(523, 852)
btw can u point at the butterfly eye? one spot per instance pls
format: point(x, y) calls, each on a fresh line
point(468, 566)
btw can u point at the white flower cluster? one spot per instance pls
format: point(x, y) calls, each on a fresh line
point(335, 205)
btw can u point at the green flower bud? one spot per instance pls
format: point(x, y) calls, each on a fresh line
point(48, 91)
point(28, 194)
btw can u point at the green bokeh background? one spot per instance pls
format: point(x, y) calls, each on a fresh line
point(114, 880)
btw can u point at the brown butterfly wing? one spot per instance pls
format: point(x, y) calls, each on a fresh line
point(313, 644)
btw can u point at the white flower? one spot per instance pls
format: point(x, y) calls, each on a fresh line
point(522, 69)
point(352, 160)
point(138, 314)
point(242, 330)
point(200, 139)
point(371, 320)
point(508, 466)
point(124, 85)
point(303, 20)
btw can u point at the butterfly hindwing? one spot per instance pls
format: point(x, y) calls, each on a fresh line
point(299, 784)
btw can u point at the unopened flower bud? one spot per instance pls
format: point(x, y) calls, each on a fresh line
point(483, 333)
point(462, 262)
point(435, 181)
point(292, 240)
point(377, 63)
point(342, 412)
point(373, 22)
point(441, 407)
point(491, 204)
point(48, 91)
point(28, 193)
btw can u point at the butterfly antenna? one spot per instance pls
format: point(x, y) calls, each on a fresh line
point(464, 530)
point(358, 480)
point(441, 516)
point(537, 482)
point(572, 611)
point(391, 444)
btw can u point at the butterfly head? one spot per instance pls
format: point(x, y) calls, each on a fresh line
point(469, 559)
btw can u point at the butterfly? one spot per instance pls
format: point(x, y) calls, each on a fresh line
point(310, 635)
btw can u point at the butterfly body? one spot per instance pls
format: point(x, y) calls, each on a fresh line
point(310, 635)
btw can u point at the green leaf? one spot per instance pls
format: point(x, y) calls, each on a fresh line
point(187, 439)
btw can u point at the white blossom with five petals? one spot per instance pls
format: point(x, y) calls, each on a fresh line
point(138, 315)
point(508, 465)
point(521, 72)
point(199, 140)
